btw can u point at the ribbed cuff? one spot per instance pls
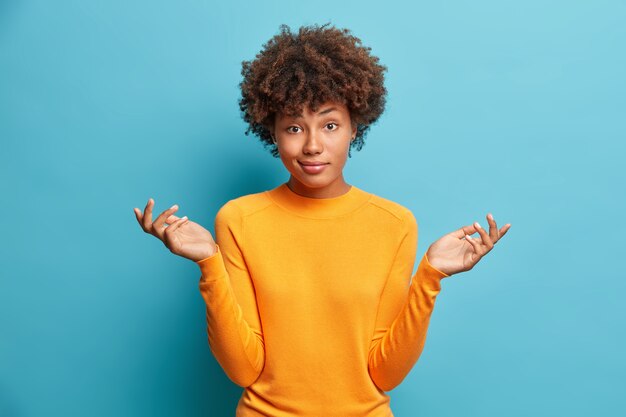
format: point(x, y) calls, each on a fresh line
point(212, 268)
point(429, 275)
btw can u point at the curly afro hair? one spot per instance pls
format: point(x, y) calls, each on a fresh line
point(316, 65)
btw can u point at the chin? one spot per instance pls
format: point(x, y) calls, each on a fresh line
point(315, 182)
point(312, 183)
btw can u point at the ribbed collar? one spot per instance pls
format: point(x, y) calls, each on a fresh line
point(318, 208)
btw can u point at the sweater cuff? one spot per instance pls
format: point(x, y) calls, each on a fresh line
point(429, 273)
point(212, 268)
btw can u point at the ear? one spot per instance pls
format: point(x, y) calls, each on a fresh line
point(354, 130)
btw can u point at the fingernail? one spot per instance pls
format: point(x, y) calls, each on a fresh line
point(490, 216)
point(184, 217)
point(477, 225)
point(174, 206)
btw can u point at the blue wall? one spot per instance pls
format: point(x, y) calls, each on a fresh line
point(515, 108)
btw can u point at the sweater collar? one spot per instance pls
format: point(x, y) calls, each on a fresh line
point(318, 208)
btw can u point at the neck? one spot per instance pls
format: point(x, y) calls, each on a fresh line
point(318, 208)
point(335, 189)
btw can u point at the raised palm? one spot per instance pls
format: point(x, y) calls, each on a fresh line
point(179, 234)
point(455, 252)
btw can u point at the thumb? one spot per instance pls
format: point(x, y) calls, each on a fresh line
point(171, 219)
point(465, 230)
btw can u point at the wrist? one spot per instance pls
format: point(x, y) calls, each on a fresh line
point(211, 252)
point(434, 264)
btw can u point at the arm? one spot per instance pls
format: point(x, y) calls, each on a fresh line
point(233, 324)
point(402, 319)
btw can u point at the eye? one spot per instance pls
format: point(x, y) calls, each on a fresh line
point(333, 124)
point(294, 127)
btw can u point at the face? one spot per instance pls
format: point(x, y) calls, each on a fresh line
point(314, 148)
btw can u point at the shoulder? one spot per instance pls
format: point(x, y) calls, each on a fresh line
point(396, 212)
point(245, 205)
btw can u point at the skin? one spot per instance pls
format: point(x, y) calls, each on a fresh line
point(319, 136)
point(323, 136)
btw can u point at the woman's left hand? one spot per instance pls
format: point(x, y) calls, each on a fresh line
point(457, 251)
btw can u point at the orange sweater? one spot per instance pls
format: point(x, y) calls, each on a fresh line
point(310, 304)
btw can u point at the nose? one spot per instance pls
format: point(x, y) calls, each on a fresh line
point(313, 144)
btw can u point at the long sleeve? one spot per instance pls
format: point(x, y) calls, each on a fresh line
point(233, 325)
point(403, 313)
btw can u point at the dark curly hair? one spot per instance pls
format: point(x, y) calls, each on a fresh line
point(316, 65)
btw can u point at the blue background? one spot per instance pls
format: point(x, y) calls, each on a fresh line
point(515, 108)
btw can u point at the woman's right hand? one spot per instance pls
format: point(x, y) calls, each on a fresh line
point(182, 236)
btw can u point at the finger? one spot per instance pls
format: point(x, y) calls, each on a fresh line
point(137, 214)
point(157, 225)
point(465, 230)
point(171, 219)
point(172, 227)
point(485, 237)
point(493, 229)
point(505, 229)
point(477, 247)
point(147, 216)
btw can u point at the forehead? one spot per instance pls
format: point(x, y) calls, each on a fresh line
point(329, 107)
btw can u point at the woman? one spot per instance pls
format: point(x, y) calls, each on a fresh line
point(310, 303)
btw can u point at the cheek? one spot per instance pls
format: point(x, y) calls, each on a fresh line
point(289, 151)
point(340, 150)
point(288, 155)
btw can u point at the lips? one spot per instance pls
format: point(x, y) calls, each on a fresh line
point(312, 163)
point(312, 167)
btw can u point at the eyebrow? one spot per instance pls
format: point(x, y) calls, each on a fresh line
point(328, 110)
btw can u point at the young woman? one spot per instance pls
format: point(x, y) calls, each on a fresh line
point(310, 302)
